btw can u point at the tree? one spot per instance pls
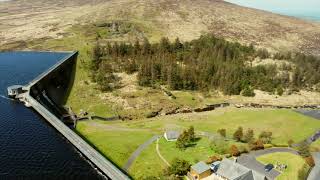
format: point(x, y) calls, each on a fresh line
point(266, 137)
point(219, 145)
point(190, 134)
point(238, 134)
point(222, 132)
point(213, 159)
point(179, 167)
point(249, 136)
point(234, 150)
point(182, 140)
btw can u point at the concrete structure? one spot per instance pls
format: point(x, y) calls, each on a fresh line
point(47, 93)
point(199, 171)
point(14, 90)
point(171, 135)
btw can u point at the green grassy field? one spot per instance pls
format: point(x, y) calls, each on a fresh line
point(293, 162)
point(118, 139)
point(284, 124)
point(115, 143)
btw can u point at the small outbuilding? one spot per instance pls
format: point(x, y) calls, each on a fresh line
point(14, 90)
point(171, 135)
point(199, 171)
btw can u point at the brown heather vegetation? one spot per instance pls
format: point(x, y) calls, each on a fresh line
point(24, 20)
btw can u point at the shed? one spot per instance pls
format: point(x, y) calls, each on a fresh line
point(171, 135)
point(14, 90)
point(200, 170)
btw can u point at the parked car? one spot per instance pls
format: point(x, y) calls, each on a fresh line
point(268, 167)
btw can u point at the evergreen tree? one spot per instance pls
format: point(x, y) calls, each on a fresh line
point(238, 134)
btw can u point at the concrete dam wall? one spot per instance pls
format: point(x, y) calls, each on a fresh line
point(52, 88)
point(47, 94)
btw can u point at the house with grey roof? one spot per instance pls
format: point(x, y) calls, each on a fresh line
point(231, 170)
point(199, 171)
point(171, 135)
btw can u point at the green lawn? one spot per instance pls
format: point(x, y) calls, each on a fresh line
point(115, 144)
point(147, 164)
point(293, 162)
point(200, 152)
point(284, 124)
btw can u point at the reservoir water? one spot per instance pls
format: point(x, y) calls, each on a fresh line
point(29, 147)
point(307, 9)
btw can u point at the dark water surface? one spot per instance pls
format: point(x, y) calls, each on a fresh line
point(29, 147)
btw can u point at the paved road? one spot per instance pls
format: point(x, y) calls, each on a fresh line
point(315, 172)
point(312, 113)
point(137, 152)
point(249, 160)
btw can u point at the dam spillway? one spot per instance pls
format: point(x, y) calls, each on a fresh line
point(47, 92)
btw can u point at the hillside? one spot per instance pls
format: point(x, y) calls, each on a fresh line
point(185, 19)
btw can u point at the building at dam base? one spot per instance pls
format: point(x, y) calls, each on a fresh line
point(47, 94)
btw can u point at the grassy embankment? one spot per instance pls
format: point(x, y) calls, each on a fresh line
point(284, 124)
point(294, 163)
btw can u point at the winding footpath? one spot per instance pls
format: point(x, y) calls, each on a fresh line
point(159, 154)
point(138, 151)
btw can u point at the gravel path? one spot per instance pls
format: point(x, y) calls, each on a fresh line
point(159, 154)
point(137, 152)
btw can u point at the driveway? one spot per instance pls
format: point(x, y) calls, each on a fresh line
point(137, 152)
point(315, 172)
point(249, 160)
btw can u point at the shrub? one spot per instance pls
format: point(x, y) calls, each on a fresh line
point(310, 161)
point(303, 149)
point(257, 145)
point(238, 135)
point(266, 137)
point(290, 142)
point(280, 90)
point(243, 149)
point(266, 146)
point(222, 132)
point(248, 92)
point(213, 159)
point(234, 150)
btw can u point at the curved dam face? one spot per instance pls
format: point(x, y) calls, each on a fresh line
point(52, 88)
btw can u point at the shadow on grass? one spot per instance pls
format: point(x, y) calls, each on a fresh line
point(93, 146)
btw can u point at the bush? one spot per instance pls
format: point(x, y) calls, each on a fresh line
point(243, 149)
point(248, 92)
point(310, 161)
point(234, 150)
point(257, 145)
point(290, 142)
point(266, 137)
point(266, 146)
point(222, 132)
point(213, 159)
point(280, 90)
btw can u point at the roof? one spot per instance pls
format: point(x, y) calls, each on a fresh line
point(234, 171)
point(172, 134)
point(14, 87)
point(200, 167)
